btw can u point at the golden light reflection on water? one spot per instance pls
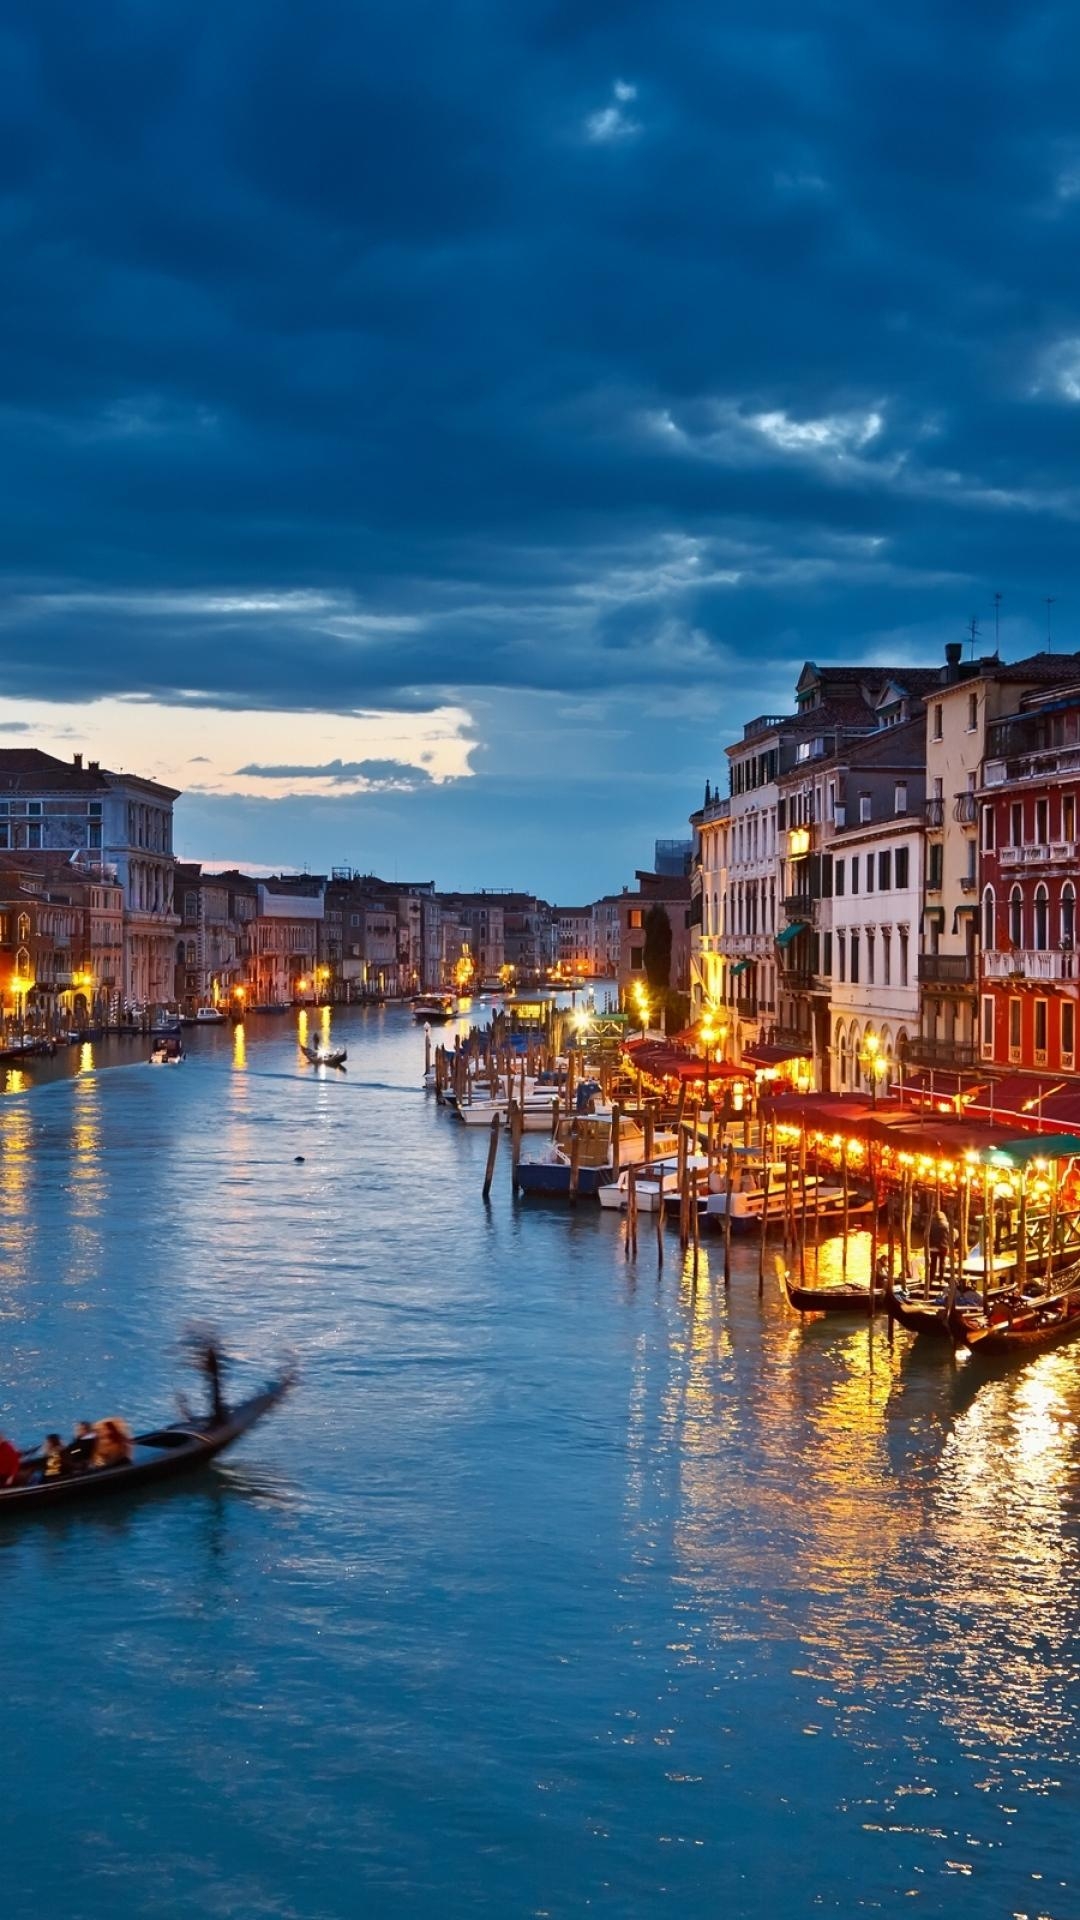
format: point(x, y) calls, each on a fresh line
point(17, 1221)
point(86, 1057)
point(87, 1172)
point(239, 1046)
point(15, 1080)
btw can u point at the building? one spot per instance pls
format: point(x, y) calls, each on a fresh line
point(213, 947)
point(672, 895)
point(101, 820)
point(673, 858)
point(709, 903)
point(286, 939)
point(606, 936)
point(572, 940)
point(963, 716)
point(1029, 871)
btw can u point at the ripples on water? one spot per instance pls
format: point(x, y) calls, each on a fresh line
point(559, 1586)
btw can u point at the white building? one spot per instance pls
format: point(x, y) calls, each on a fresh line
point(109, 821)
point(877, 883)
point(709, 904)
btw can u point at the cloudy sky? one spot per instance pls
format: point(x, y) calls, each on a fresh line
point(431, 429)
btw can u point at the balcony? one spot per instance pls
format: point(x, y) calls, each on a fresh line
point(946, 970)
point(1031, 766)
point(954, 1054)
point(965, 809)
point(801, 980)
point(1035, 854)
point(1019, 963)
point(799, 1037)
point(935, 813)
point(746, 1006)
point(800, 906)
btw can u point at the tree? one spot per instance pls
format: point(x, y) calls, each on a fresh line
point(657, 929)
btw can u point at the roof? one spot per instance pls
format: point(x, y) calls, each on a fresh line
point(659, 886)
point(29, 770)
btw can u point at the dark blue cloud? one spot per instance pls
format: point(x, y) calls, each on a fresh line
point(379, 773)
point(391, 357)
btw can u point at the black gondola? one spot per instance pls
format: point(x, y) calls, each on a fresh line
point(833, 1297)
point(321, 1056)
point(159, 1455)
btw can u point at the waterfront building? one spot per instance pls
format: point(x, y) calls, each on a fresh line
point(99, 820)
point(572, 944)
point(1029, 872)
point(606, 936)
point(962, 714)
point(847, 779)
point(41, 942)
point(673, 896)
point(709, 905)
point(286, 940)
point(214, 936)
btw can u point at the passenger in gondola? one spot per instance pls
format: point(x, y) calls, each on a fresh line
point(113, 1447)
point(10, 1463)
point(212, 1367)
point(52, 1457)
point(81, 1447)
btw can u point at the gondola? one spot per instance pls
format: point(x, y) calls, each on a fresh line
point(159, 1455)
point(324, 1056)
point(833, 1297)
point(1022, 1324)
point(926, 1316)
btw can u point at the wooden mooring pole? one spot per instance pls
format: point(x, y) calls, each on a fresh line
point(492, 1153)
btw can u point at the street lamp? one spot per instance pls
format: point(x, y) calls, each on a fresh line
point(873, 1063)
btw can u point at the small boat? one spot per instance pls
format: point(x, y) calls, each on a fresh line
point(168, 1051)
point(209, 1017)
point(551, 1172)
point(1021, 1322)
point(656, 1183)
point(324, 1056)
point(432, 1009)
point(748, 1201)
point(158, 1455)
point(833, 1297)
point(165, 1023)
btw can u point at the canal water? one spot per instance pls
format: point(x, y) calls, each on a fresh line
point(561, 1585)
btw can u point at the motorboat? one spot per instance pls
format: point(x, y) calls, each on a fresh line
point(167, 1051)
point(209, 1017)
point(322, 1055)
point(656, 1182)
point(433, 1009)
point(749, 1199)
point(587, 1137)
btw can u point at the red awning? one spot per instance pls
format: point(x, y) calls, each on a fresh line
point(1017, 1097)
point(941, 1084)
point(772, 1054)
point(665, 1062)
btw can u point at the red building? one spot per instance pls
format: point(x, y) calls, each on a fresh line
point(1028, 876)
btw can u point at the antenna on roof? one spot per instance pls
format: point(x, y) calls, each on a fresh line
point(1051, 601)
point(998, 598)
point(973, 632)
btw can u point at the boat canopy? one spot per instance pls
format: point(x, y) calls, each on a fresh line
point(1033, 1147)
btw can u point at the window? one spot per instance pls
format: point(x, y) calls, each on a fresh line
point(1068, 914)
point(988, 1024)
point(1068, 816)
point(854, 959)
point(826, 955)
point(901, 868)
point(1014, 1026)
point(24, 928)
point(937, 721)
point(1016, 917)
point(935, 854)
point(903, 957)
point(1042, 918)
point(1068, 1032)
point(900, 797)
point(841, 956)
point(869, 873)
point(988, 829)
point(635, 920)
point(864, 807)
point(988, 919)
point(1016, 823)
point(869, 956)
point(637, 959)
point(1042, 822)
point(884, 870)
point(838, 879)
point(886, 958)
point(973, 712)
point(1040, 1033)
point(854, 873)
point(94, 809)
point(832, 799)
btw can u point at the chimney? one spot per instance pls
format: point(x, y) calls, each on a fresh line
point(95, 766)
point(77, 760)
point(954, 653)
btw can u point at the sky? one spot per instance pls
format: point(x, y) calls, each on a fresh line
point(431, 430)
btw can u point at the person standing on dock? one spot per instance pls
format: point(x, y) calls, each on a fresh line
point(938, 1242)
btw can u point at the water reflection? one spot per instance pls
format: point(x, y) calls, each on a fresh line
point(239, 1045)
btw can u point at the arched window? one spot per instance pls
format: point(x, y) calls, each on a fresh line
point(180, 953)
point(1068, 914)
point(24, 926)
point(988, 919)
point(841, 1055)
point(1016, 917)
point(191, 953)
point(1042, 918)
